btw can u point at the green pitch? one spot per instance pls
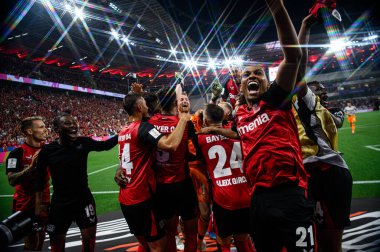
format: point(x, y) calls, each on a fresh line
point(364, 163)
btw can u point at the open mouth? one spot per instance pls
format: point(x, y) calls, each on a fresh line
point(253, 86)
point(73, 132)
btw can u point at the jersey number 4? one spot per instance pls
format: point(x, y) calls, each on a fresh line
point(235, 159)
point(126, 159)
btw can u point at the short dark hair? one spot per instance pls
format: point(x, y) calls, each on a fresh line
point(57, 119)
point(167, 97)
point(27, 123)
point(151, 100)
point(129, 102)
point(213, 113)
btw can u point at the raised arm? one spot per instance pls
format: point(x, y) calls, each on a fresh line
point(103, 145)
point(303, 39)
point(287, 71)
point(172, 141)
point(219, 131)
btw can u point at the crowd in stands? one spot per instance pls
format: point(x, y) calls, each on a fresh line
point(38, 70)
point(361, 103)
point(97, 116)
point(113, 83)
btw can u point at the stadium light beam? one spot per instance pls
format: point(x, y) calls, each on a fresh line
point(79, 13)
point(125, 40)
point(68, 7)
point(339, 45)
point(211, 64)
point(114, 34)
point(173, 51)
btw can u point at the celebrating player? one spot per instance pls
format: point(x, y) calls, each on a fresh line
point(280, 214)
point(330, 181)
point(175, 191)
point(72, 200)
point(20, 166)
point(137, 142)
point(223, 159)
point(232, 86)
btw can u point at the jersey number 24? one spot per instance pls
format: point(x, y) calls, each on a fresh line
point(235, 159)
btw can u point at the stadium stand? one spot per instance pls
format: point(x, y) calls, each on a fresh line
point(97, 116)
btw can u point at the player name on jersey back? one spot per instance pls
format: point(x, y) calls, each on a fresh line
point(124, 137)
point(214, 138)
point(164, 129)
point(231, 181)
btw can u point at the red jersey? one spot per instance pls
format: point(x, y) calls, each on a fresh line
point(25, 194)
point(223, 157)
point(231, 91)
point(171, 166)
point(136, 152)
point(269, 136)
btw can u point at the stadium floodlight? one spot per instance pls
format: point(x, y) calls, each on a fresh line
point(79, 13)
point(238, 61)
point(190, 63)
point(372, 37)
point(211, 64)
point(173, 51)
point(125, 39)
point(114, 34)
point(339, 45)
point(141, 27)
point(228, 62)
point(68, 7)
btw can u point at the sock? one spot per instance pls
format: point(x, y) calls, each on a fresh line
point(88, 245)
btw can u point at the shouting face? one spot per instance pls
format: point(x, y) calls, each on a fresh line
point(253, 83)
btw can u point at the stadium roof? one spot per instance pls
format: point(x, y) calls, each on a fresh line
point(131, 36)
point(152, 37)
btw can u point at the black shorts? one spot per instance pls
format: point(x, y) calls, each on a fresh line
point(282, 217)
point(177, 198)
point(230, 222)
point(143, 220)
point(83, 212)
point(331, 189)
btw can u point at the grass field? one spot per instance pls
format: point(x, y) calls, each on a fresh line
point(364, 163)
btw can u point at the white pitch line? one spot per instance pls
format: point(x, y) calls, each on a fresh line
point(367, 182)
point(114, 192)
point(106, 168)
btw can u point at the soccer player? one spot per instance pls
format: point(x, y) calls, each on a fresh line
point(330, 183)
point(135, 176)
point(232, 86)
point(223, 159)
point(228, 114)
point(20, 169)
point(350, 111)
point(280, 213)
point(175, 191)
point(319, 90)
point(66, 160)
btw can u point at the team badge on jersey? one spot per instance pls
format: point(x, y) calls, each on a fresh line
point(154, 133)
point(12, 163)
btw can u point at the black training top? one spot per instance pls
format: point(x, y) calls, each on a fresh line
point(68, 168)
